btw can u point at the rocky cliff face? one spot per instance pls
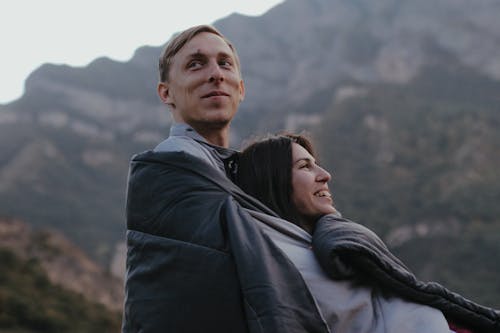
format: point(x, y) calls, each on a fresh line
point(64, 263)
point(66, 143)
point(301, 47)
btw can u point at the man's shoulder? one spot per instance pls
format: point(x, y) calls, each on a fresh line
point(179, 143)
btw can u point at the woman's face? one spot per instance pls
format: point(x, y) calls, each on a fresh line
point(310, 193)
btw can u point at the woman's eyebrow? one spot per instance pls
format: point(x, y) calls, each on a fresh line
point(307, 159)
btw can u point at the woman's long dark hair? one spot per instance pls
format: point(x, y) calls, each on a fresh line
point(265, 172)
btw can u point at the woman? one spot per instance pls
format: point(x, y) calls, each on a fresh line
point(299, 193)
point(282, 172)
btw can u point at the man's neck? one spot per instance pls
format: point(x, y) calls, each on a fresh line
point(215, 136)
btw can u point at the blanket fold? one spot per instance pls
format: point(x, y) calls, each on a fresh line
point(198, 262)
point(347, 250)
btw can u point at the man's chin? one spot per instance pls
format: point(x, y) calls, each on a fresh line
point(218, 118)
point(211, 123)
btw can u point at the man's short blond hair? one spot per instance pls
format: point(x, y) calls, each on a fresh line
point(176, 43)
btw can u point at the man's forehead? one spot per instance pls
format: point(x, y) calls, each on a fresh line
point(206, 43)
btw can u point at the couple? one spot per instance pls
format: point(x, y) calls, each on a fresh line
point(222, 241)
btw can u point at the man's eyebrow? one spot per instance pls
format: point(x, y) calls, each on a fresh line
point(197, 55)
point(225, 55)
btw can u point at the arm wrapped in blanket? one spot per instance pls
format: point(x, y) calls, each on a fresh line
point(347, 250)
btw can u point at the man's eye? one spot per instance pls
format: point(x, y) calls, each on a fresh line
point(194, 64)
point(225, 63)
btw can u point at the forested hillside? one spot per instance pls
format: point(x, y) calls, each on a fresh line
point(30, 303)
point(419, 164)
point(402, 98)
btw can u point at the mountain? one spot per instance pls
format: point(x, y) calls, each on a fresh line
point(47, 285)
point(306, 50)
point(31, 303)
point(419, 164)
point(74, 131)
point(63, 263)
point(401, 97)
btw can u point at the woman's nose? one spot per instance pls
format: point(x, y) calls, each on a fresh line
point(323, 175)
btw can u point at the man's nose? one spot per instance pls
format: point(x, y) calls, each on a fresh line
point(215, 73)
point(323, 175)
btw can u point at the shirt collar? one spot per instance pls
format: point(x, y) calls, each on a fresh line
point(182, 129)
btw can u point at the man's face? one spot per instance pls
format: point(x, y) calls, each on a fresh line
point(205, 86)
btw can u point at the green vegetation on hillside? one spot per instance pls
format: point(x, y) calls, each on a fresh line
point(425, 153)
point(466, 263)
point(30, 303)
point(426, 150)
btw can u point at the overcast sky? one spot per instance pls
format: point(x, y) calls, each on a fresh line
point(33, 32)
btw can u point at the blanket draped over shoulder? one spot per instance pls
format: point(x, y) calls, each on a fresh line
point(197, 261)
point(347, 250)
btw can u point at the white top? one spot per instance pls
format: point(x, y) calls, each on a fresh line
point(348, 309)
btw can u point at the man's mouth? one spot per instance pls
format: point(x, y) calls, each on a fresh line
point(215, 93)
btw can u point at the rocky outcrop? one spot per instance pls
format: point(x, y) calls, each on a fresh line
point(65, 144)
point(64, 263)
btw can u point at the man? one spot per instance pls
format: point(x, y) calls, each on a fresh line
point(200, 81)
point(196, 261)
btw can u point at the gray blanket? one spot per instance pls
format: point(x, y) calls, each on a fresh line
point(347, 250)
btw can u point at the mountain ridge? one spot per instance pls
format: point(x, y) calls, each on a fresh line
point(401, 97)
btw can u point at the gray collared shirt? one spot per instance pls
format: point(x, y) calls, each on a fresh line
point(184, 138)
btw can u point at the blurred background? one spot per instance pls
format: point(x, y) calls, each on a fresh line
point(402, 99)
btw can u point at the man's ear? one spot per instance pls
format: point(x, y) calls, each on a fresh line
point(242, 90)
point(163, 93)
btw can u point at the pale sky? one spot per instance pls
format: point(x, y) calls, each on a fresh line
point(33, 32)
